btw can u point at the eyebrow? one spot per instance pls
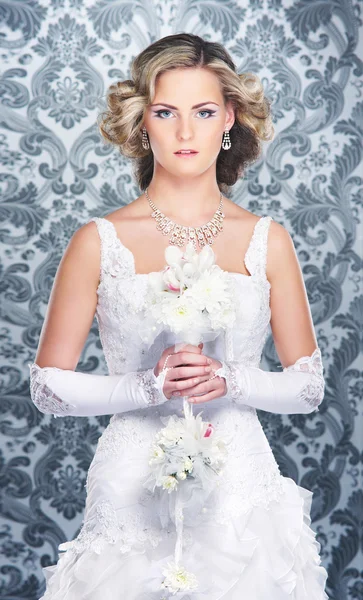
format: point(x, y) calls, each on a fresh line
point(175, 108)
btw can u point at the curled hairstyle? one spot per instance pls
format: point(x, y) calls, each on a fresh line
point(122, 122)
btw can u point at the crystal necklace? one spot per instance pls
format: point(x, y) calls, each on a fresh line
point(181, 234)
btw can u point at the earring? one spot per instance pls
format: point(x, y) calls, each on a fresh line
point(145, 141)
point(226, 142)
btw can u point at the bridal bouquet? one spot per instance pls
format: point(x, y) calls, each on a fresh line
point(185, 449)
point(192, 298)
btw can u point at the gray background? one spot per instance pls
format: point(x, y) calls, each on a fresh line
point(57, 60)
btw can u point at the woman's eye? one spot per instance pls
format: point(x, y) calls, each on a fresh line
point(209, 112)
point(160, 112)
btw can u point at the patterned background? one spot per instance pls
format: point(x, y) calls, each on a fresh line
point(57, 59)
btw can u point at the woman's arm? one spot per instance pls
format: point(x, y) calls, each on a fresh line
point(54, 385)
point(300, 387)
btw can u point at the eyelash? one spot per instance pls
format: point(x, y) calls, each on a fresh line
point(158, 112)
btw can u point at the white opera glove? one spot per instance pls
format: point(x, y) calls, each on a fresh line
point(298, 389)
point(63, 392)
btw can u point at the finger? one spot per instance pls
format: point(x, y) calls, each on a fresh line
point(186, 372)
point(185, 360)
point(185, 348)
point(183, 386)
point(205, 398)
point(196, 386)
point(191, 358)
point(197, 381)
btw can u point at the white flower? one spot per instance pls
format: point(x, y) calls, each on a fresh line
point(172, 279)
point(178, 579)
point(188, 465)
point(184, 268)
point(173, 255)
point(181, 475)
point(180, 313)
point(210, 291)
point(169, 483)
point(206, 258)
point(157, 454)
point(155, 280)
point(172, 433)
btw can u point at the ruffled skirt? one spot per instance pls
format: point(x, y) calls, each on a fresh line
point(264, 553)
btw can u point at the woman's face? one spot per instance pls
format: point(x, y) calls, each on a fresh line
point(174, 122)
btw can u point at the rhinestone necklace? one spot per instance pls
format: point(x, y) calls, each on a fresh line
point(181, 234)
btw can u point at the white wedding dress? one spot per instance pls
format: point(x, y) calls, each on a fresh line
point(252, 540)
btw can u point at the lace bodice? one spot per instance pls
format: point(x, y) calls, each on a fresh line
point(122, 292)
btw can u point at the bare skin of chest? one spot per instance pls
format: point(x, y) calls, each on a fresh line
point(137, 231)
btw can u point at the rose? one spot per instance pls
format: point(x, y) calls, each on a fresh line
point(209, 430)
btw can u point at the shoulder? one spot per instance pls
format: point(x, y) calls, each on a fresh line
point(242, 219)
point(135, 209)
point(87, 233)
point(86, 239)
point(248, 220)
point(281, 253)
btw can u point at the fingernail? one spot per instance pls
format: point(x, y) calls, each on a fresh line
point(209, 361)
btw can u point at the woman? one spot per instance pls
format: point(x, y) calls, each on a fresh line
point(252, 539)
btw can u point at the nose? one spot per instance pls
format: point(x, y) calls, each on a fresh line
point(185, 129)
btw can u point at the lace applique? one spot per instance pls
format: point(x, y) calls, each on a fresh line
point(256, 255)
point(107, 528)
point(313, 391)
point(150, 384)
point(42, 396)
point(110, 251)
point(267, 486)
point(229, 371)
point(128, 433)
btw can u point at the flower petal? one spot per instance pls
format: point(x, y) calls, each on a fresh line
point(173, 255)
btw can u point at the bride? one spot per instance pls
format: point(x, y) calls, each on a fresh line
point(192, 124)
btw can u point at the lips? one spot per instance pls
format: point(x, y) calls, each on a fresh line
point(186, 152)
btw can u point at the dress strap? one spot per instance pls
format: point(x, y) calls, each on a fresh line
point(256, 255)
point(114, 259)
point(106, 230)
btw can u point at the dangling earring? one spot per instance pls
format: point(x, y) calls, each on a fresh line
point(145, 141)
point(226, 142)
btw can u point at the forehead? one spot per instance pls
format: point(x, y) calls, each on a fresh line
point(187, 84)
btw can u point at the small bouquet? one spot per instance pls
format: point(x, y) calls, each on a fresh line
point(192, 298)
point(186, 449)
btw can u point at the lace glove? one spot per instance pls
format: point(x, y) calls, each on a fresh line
point(64, 392)
point(298, 389)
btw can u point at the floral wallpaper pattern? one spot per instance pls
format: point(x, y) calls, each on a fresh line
point(57, 59)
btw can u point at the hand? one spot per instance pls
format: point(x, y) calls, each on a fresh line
point(189, 373)
point(209, 388)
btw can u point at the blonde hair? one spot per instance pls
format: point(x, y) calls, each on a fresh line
point(122, 122)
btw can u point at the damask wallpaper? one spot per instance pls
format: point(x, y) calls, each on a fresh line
point(57, 59)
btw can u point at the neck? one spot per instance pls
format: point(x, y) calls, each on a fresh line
point(189, 203)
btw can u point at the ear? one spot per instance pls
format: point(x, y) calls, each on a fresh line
point(230, 116)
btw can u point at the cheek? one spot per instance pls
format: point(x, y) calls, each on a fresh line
point(213, 137)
